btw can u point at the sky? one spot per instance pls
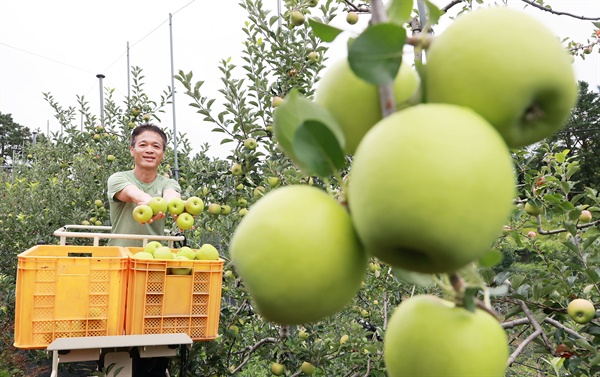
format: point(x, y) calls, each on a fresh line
point(60, 46)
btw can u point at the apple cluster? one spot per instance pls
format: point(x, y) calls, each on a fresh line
point(185, 211)
point(155, 250)
point(429, 188)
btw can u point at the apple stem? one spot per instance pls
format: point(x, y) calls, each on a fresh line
point(458, 284)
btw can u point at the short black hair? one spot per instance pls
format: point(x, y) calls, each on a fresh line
point(148, 127)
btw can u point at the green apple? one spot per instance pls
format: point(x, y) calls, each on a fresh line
point(297, 18)
point(143, 255)
point(110, 158)
point(131, 125)
point(352, 18)
point(207, 252)
point(237, 169)
point(142, 213)
point(163, 252)
point(239, 187)
point(482, 63)
point(135, 111)
point(146, 117)
point(242, 202)
point(258, 192)
point(225, 209)
point(214, 208)
point(274, 181)
point(243, 212)
point(354, 103)
point(277, 101)
point(234, 331)
point(585, 217)
point(181, 270)
point(417, 194)
point(298, 255)
point(307, 368)
point(302, 334)
point(187, 252)
point(427, 336)
point(99, 203)
point(532, 209)
point(152, 246)
point(344, 339)
point(250, 143)
point(581, 311)
point(277, 369)
point(185, 221)
point(176, 206)
point(194, 205)
point(313, 56)
point(158, 204)
point(97, 222)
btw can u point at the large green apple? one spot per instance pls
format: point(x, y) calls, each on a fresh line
point(298, 255)
point(142, 213)
point(581, 310)
point(354, 103)
point(158, 204)
point(431, 187)
point(509, 68)
point(427, 336)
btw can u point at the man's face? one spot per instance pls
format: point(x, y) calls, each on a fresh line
point(148, 150)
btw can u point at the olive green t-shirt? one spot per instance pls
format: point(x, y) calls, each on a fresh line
point(121, 213)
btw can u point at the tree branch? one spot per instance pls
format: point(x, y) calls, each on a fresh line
point(251, 350)
point(522, 346)
point(450, 5)
point(386, 92)
point(562, 230)
point(550, 321)
point(558, 13)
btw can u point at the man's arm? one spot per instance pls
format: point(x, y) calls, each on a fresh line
point(170, 194)
point(133, 194)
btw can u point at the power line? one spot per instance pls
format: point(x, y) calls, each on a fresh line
point(47, 58)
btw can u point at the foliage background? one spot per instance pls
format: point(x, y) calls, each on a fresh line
point(54, 181)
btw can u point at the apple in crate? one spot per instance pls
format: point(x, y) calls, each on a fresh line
point(181, 270)
point(163, 252)
point(143, 255)
point(152, 246)
point(187, 252)
point(207, 252)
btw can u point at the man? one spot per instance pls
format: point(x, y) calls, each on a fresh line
point(128, 189)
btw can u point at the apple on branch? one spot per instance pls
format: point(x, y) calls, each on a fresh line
point(502, 73)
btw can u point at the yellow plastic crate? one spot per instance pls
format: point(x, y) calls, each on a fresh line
point(69, 291)
point(159, 302)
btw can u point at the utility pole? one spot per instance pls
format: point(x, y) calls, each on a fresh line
point(173, 101)
point(100, 76)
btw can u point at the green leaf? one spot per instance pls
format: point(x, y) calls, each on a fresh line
point(375, 56)
point(288, 117)
point(398, 11)
point(318, 149)
point(434, 13)
point(469, 298)
point(326, 32)
point(412, 277)
point(589, 240)
point(570, 227)
point(584, 344)
point(574, 214)
point(491, 258)
point(516, 281)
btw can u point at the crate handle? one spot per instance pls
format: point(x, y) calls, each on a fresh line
point(96, 232)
